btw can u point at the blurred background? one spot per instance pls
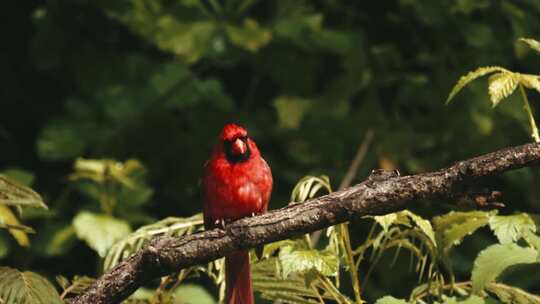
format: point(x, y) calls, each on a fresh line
point(155, 80)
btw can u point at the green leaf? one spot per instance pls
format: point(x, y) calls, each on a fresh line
point(511, 228)
point(423, 224)
point(474, 299)
point(530, 81)
point(14, 194)
point(26, 288)
point(386, 220)
point(303, 261)
point(390, 300)
point(308, 186)
point(502, 85)
point(492, 261)
point(192, 294)
point(533, 44)
point(100, 231)
point(55, 239)
point(268, 282)
point(22, 176)
point(291, 110)
point(453, 227)
point(60, 140)
point(174, 226)
point(9, 221)
point(249, 36)
point(466, 79)
point(511, 294)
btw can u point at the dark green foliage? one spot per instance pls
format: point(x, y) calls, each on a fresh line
point(147, 85)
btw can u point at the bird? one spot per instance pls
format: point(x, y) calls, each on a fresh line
point(237, 183)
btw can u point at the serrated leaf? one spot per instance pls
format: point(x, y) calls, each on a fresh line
point(491, 262)
point(26, 288)
point(390, 300)
point(100, 231)
point(269, 283)
point(385, 220)
point(77, 286)
point(453, 227)
point(303, 261)
point(512, 295)
point(466, 79)
point(502, 85)
point(530, 81)
point(511, 228)
point(15, 194)
point(533, 44)
point(174, 226)
point(423, 224)
point(19, 232)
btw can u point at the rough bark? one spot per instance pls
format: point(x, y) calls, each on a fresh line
point(375, 196)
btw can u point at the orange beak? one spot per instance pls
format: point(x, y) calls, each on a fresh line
point(239, 147)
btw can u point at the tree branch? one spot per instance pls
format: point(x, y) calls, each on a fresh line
point(375, 196)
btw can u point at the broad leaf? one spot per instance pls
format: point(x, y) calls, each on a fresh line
point(502, 85)
point(470, 300)
point(491, 262)
point(269, 283)
point(15, 194)
point(533, 44)
point(466, 79)
point(100, 231)
point(511, 228)
point(303, 261)
point(26, 288)
point(9, 221)
point(453, 227)
point(423, 224)
point(291, 110)
point(390, 300)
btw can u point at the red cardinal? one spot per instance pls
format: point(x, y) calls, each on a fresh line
point(237, 183)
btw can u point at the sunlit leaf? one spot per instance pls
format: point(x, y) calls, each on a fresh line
point(466, 79)
point(502, 85)
point(511, 228)
point(302, 261)
point(268, 281)
point(453, 227)
point(530, 81)
point(100, 231)
point(491, 262)
point(9, 221)
point(390, 300)
point(533, 44)
point(26, 288)
point(14, 194)
point(249, 36)
point(77, 286)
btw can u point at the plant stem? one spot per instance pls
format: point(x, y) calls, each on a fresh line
point(346, 243)
point(527, 107)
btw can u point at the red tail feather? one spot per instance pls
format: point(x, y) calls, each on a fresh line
point(238, 278)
